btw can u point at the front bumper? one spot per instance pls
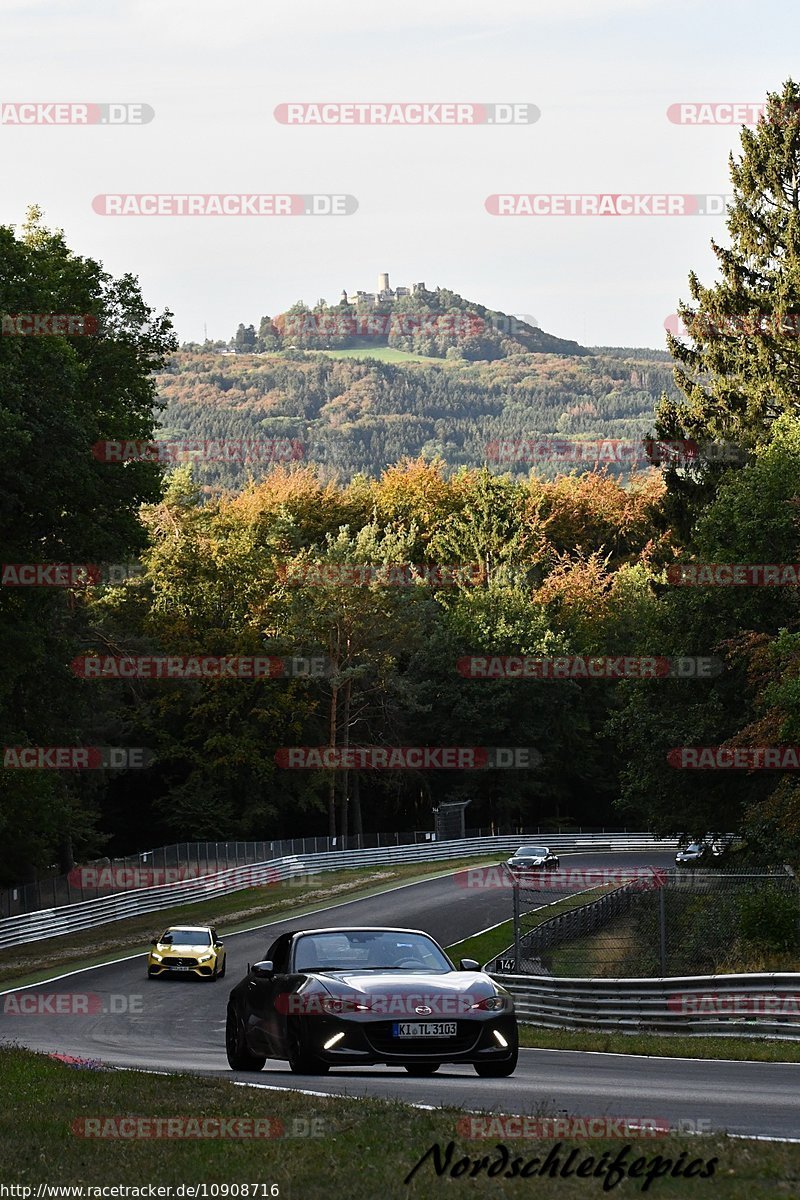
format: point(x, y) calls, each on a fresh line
point(177, 967)
point(369, 1042)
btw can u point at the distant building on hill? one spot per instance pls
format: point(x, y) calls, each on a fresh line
point(384, 293)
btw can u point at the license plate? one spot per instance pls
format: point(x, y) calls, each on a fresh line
point(424, 1029)
point(181, 968)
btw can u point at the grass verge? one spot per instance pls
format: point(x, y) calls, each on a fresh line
point(363, 1149)
point(381, 353)
point(487, 945)
point(662, 1045)
point(233, 913)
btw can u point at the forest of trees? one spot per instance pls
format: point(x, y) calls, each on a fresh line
point(358, 415)
point(578, 565)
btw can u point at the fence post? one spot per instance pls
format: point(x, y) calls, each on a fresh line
point(515, 895)
point(662, 924)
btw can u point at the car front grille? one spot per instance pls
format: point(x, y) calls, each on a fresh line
point(181, 962)
point(382, 1041)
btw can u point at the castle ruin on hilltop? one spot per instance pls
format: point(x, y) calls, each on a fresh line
point(384, 292)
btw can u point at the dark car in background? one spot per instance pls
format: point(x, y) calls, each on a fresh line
point(532, 858)
point(365, 996)
point(711, 848)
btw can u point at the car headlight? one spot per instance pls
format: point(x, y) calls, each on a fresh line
point(155, 957)
point(334, 1006)
point(205, 957)
point(492, 1004)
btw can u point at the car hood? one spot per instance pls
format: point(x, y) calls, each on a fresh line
point(164, 948)
point(405, 984)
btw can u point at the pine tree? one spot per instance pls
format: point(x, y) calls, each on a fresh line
point(741, 369)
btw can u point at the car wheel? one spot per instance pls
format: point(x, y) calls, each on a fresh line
point(422, 1068)
point(150, 974)
point(303, 1061)
point(224, 967)
point(239, 1056)
point(497, 1070)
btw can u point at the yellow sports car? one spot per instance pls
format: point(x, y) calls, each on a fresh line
point(187, 950)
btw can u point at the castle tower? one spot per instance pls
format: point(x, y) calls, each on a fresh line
point(383, 283)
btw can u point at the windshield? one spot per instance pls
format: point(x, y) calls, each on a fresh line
point(363, 950)
point(531, 852)
point(186, 937)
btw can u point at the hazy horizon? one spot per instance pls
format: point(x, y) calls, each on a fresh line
point(602, 74)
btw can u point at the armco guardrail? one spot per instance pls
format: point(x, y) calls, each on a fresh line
point(764, 1005)
point(576, 922)
point(185, 860)
point(46, 923)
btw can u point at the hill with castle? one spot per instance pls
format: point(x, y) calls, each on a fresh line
point(415, 320)
point(403, 372)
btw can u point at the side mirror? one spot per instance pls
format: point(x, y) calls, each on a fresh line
point(154, 942)
point(263, 970)
point(469, 964)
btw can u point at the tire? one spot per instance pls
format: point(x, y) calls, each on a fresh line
point(497, 1070)
point(150, 974)
point(303, 1061)
point(239, 1056)
point(224, 967)
point(422, 1068)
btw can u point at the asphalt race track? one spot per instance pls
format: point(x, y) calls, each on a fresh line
point(178, 1024)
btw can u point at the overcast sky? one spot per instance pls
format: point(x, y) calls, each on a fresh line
point(602, 72)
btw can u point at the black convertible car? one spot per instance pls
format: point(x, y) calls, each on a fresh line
point(350, 997)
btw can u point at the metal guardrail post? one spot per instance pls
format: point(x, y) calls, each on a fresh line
point(662, 929)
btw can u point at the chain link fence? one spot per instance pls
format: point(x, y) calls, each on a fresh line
point(186, 860)
point(680, 922)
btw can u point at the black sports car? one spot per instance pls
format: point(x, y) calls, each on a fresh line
point(346, 997)
point(529, 858)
